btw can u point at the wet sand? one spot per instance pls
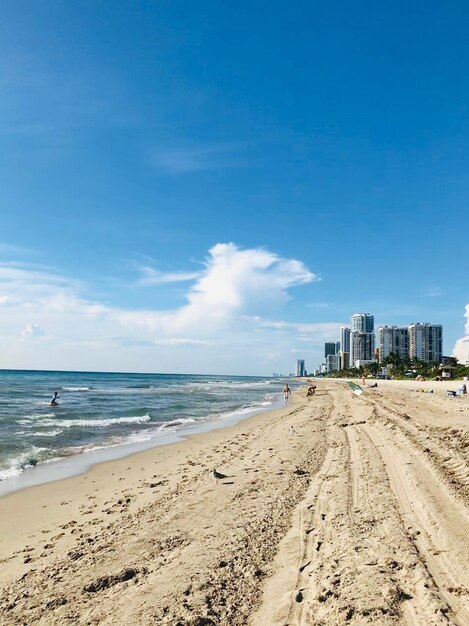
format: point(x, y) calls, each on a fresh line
point(360, 516)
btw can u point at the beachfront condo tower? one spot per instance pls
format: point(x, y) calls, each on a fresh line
point(426, 342)
point(393, 339)
point(362, 339)
point(344, 339)
point(363, 323)
point(332, 363)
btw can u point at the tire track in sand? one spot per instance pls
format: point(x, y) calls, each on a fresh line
point(442, 528)
point(349, 557)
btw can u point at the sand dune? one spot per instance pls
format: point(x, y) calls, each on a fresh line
point(359, 517)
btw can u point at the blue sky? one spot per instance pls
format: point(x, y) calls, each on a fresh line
point(327, 144)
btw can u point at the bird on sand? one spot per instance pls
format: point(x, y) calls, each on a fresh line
point(218, 475)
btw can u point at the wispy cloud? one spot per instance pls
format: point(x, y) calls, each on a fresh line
point(180, 341)
point(12, 250)
point(319, 305)
point(31, 331)
point(151, 276)
point(201, 158)
point(305, 331)
point(433, 292)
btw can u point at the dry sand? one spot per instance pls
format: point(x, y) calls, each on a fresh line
point(358, 517)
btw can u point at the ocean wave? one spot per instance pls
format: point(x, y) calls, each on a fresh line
point(24, 460)
point(10, 472)
point(100, 423)
point(36, 416)
point(75, 388)
point(46, 433)
point(178, 422)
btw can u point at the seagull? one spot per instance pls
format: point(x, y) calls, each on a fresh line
point(292, 431)
point(218, 475)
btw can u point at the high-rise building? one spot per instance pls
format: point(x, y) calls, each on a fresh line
point(362, 338)
point(331, 347)
point(362, 347)
point(393, 339)
point(426, 342)
point(344, 360)
point(332, 363)
point(344, 339)
point(363, 323)
point(300, 368)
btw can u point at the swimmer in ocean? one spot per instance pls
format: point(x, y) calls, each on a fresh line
point(53, 401)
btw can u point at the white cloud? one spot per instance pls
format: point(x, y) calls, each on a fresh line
point(199, 158)
point(11, 250)
point(461, 349)
point(234, 282)
point(319, 305)
point(150, 276)
point(31, 331)
point(180, 341)
point(433, 292)
point(224, 314)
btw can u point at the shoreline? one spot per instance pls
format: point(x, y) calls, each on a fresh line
point(66, 467)
point(81, 463)
point(28, 513)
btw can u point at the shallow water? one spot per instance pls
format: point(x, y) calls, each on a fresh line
point(103, 410)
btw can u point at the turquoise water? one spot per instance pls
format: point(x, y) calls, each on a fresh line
point(98, 410)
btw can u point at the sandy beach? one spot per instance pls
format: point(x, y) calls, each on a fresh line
point(358, 514)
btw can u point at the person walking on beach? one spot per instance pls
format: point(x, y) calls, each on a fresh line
point(286, 393)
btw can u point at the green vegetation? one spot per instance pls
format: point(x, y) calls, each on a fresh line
point(403, 368)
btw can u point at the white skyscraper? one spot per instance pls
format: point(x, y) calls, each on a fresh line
point(363, 323)
point(393, 339)
point(426, 342)
point(362, 338)
point(344, 339)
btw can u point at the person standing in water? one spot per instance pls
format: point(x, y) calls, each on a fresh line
point(53, 401)
point(286, 393)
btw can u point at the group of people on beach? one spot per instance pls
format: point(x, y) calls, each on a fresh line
point(287, 392)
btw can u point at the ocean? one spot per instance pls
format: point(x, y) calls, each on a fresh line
point(103, 410)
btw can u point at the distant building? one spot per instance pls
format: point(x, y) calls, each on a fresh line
point(426, 342)
point(362, 337)
point(362, 347)
point(332, 363)
point(344, 360)
point(393, 339)
point(363, 362)
point(363, 323)
point(344, 339)
point(300, 368)
point(332, 347)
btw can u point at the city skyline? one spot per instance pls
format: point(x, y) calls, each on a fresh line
point(359, 346)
